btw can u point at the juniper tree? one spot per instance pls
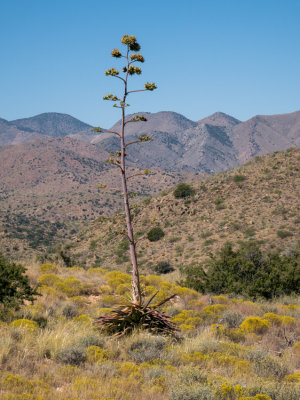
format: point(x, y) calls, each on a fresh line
point(131, 57)
point(138, 312)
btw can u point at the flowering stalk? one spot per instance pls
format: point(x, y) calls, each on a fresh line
point(119, 158)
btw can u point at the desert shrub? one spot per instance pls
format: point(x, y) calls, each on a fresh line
point(70, 311)
point(155, 234)
point(239, 178)
point(116, 278)
point(146, 348)
point(282, 234)
point(71, 355)
point(276, 390)
point(49, 279)
point(19, 384)
point(220, 299)
point(96, 354)
point(48, 269)
point(70, 286)
point(25, 324)
point(293, 377)
point(269, 367)
point(14, 285)
point(183, 190)
point(163, 267)
point(228, 391)
point(255, 325)
point(83, 319)
point(280, 320)
point(246, 271)
point(231, 319)
point(91, 340)
point(265, 366)
point(214, 310)
point(191, 392)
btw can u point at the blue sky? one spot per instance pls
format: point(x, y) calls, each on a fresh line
point(241, 57)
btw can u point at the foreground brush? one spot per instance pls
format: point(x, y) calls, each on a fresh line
point(126, 318)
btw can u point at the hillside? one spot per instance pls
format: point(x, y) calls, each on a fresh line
point(48, 189)
point(259, 200)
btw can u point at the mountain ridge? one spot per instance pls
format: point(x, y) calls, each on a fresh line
point(214, 143)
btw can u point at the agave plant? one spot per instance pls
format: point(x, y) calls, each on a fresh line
point(131, 316)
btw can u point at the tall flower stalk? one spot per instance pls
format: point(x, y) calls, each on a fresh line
point(131, 56)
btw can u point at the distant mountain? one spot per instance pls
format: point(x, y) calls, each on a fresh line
point(215, 143)
point(220, 119)
point(52, 124)
point(264, 134)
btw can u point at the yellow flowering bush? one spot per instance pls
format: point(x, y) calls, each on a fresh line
point(293, 377)
point(25, 324)
point(195, 357)
point(228, 391)
point(255, 325)
point(49, 280)
point(220, 299)
point(185, 315)
point(280, 320)
point(115, 278)
point(70, 286)
point(96, 354)
point(256, 397)
point(97, 271)
point(48, 268)
point(19, 384)
point(186, 328)
point(83, 319)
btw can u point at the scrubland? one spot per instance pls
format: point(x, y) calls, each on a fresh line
point(225, 349)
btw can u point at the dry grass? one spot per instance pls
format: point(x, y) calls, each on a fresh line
point(57, 352)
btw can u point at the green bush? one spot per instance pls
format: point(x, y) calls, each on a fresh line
point(183, 190)
point(155, 234)
point(284, 234)
point(163, 267)
point(14, 285)
point(247, 271)
point(238, 178)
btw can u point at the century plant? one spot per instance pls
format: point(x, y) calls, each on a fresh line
point(131, 56)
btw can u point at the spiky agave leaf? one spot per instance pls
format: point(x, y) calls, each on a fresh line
point(129, 317)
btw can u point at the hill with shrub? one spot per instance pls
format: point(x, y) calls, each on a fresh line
point(258, 201)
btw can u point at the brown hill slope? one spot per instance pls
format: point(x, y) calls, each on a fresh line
point(259, 200)
point(48, 188)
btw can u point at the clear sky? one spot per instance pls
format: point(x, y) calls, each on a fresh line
point(241, 57)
